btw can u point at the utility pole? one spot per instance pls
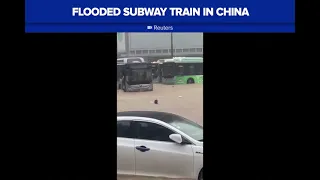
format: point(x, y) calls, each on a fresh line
point(126, 41)
point(171, 39)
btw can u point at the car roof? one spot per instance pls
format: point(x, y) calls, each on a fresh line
point(162, 116)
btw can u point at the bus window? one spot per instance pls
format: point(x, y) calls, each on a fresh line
point(180, 70)
point(128, 72)
point(190, 69)
point(140, 76)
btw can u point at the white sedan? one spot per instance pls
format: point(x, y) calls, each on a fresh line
point(158, 145)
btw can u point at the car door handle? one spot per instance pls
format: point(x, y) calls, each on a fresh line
point(142, 148)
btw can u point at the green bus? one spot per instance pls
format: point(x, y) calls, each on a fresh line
point(181, 70)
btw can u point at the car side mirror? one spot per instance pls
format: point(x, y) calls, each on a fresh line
point(176, 138)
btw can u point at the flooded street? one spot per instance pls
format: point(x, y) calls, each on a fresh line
point(184, 100)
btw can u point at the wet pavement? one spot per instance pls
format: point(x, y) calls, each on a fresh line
point(184, 100)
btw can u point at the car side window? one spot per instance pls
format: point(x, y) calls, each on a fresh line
point(124, 129)
point(152, 131)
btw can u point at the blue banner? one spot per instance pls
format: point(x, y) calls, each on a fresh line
point(166, 15)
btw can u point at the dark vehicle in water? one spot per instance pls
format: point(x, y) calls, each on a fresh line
point(136, 77)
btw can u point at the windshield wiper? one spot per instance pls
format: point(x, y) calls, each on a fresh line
point(200, 140)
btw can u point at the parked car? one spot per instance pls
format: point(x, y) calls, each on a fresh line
point(158, 144)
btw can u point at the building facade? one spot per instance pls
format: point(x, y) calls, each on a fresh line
point(154, 46)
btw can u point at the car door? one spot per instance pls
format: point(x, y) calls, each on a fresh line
point(125, 148)
point(158, 156)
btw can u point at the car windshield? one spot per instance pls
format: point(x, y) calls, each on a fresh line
point(188, 127)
